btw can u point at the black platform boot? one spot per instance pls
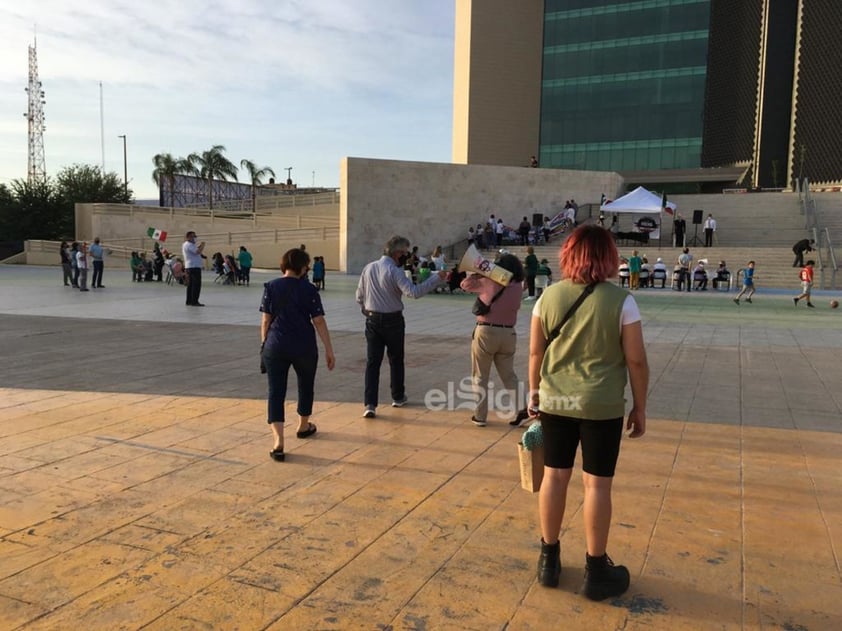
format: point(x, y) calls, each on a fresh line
point(549, 564)
point(603, 579)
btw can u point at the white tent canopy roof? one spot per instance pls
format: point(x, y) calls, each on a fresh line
point(638, 201)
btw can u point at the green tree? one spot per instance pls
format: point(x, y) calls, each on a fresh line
point(83, 183)
point(166, 168)
point(213, 165)
point(46, 209)
point(256, 175)
point(6, 199)
point(34, 211)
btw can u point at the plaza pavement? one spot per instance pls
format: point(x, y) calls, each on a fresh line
point(136, 490)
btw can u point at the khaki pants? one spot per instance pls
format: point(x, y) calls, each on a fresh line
point(495, 345)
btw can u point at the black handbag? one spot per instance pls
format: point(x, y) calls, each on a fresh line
point(480, 308)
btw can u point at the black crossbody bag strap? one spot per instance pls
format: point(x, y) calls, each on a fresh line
point(587, 291)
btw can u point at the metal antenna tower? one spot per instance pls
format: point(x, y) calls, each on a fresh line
point(37, 167)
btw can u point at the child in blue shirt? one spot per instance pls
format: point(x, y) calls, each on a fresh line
point(748, 283)
point(319, 272)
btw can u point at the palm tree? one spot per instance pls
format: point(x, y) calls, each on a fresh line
point(212, 165)
point(166, 168)
point(256, 176)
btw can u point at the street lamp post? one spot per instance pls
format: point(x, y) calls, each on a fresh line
point(125, 168)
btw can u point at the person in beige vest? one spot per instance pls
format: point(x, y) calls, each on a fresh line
point(586, 339)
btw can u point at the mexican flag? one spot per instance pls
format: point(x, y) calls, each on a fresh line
point(158, 235)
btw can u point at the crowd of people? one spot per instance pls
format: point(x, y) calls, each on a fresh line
point(637, 272)
point(601, 347)
point(494, 233)
point(585, 340)
point(77, 258)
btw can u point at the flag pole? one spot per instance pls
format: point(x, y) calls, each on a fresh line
point(661, 217)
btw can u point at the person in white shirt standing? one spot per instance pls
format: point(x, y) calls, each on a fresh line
point(193, 263)
point(710, 228)
point(82, 266)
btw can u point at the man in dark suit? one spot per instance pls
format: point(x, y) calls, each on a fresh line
point(679, 226)
point(805, 245)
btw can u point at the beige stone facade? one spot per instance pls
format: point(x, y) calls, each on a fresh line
point(497, 81)
point(434, 204)
point(267, 237)
point(429, 203)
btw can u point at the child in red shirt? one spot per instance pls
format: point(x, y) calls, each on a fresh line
point(806, 276)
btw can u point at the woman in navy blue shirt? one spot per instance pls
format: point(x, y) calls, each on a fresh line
point(292, 315)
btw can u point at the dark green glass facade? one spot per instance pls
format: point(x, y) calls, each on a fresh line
point(623, 84)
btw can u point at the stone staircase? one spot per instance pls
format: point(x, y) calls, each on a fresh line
point(829, 215)
point(773, 264)
point(756, 226)
point(751, 219)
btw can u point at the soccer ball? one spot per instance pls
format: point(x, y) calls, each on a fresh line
point(834, 303)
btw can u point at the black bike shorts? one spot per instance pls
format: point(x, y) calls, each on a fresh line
point(600, 443)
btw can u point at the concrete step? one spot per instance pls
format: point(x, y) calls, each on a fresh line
point(773, 264)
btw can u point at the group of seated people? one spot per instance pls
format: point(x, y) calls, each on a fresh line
point(650, 275)
point(142, 267)
point(656, 275)
point(226, 268)
point(720, 279)
point(148, 269)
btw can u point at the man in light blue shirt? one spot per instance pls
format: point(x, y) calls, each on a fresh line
point(379, 293)
point(193, 263)
point(97, 253)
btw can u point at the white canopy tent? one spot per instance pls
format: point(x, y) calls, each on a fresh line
point(641, 202)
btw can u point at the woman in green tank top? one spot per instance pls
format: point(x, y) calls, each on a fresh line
point(586, 337)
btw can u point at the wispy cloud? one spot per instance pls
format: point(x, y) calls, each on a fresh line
point(300, 82)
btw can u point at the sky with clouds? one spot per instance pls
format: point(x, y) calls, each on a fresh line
point(284, 83)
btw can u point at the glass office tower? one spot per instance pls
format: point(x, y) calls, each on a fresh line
point(623, 85)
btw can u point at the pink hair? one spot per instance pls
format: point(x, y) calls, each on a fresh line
point(589, 255)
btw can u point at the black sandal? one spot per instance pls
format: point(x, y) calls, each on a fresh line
point(311, 429)
point(277, 454)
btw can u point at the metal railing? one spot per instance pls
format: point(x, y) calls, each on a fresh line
point(834, 266)
point(807, 206)
point(271, 202)
point(37, 246)
point(123, 247)
point(820, 235)
point(130, 210)
point(278, 234)
point(816, 236)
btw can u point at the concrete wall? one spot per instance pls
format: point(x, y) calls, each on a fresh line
point(498, 48)
point(266, 255)
point(267, 238)
point(435, 204)
point(751, 219)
